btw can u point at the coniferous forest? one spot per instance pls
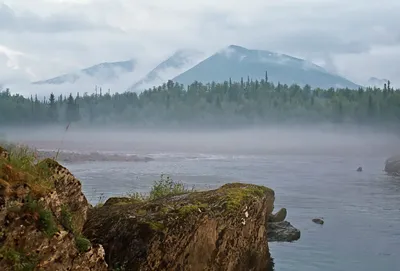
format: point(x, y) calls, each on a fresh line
point(228, 104)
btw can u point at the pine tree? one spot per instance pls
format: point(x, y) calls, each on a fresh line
point(52, 109)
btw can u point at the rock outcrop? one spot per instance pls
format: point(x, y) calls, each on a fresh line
point(319, 221)
point(46, 223)
point(222, 229)
point(392, 165)
point(42, 212)
point(280, 230)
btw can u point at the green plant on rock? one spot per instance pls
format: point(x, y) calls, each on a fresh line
point(157, 226)
point(82, 244)
point(45, 218)
point(138, 197)
point(190, 208)
point(167, 187)
point(236, 195)
point(22, 167)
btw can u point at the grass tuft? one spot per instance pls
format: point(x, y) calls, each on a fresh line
point(22, 167)
point(44, 217)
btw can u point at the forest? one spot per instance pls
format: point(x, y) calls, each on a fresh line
point(230, 103)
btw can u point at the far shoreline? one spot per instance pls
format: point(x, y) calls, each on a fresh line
point(76, 157)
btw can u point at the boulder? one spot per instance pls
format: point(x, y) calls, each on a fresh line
point(392, 165)
point(279, 216)
point(42, 212)
point(222, 229)
point(319, 221)
point(282, 232)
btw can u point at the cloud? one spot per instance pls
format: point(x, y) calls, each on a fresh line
point(58, 22)
point(356, 39)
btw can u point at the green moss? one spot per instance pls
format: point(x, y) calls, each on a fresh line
point(141, 212)
point(236, 194)
point(18, 260)
point(99, 205)
point(190, 208)
point(165, 210)
point(82, 244)
point(157, 226)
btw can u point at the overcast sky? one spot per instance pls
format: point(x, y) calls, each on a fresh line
point(45, 38)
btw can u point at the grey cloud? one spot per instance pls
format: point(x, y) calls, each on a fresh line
point(29, 22)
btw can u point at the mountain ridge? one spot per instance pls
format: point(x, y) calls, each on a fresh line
point(186, 66)
point(105, 70)
point(238, 62)
point(177, 63)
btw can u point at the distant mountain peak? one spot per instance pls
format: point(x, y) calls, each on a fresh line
point(238, 62)
point(102, 72)
point(174, 65)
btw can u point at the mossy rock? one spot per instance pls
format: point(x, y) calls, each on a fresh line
point(170, 232)
point(121, 201)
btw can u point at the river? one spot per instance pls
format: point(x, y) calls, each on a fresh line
point(361, 209)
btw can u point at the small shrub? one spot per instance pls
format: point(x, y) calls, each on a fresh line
point(82, 244)
point(46, 220)
point(166, 187)
point(47, 223)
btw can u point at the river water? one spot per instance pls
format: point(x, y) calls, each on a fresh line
point(361, 209)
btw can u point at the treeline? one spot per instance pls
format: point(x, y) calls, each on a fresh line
point(228, 103)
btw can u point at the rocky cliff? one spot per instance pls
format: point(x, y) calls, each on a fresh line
point(42, 212)
point(46, 223)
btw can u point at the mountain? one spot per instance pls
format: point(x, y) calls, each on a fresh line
point(179, 62)
point(101, 73)
point(376, 82)
point(237, 62)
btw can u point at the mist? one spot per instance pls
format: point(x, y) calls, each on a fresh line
point(290, 140)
